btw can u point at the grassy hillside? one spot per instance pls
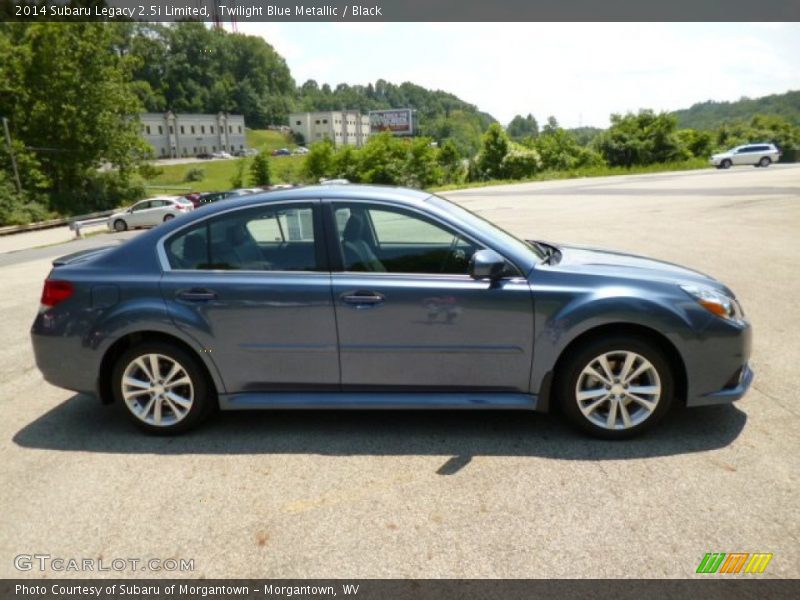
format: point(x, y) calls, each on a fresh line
point(217, 174)
point(711, 114)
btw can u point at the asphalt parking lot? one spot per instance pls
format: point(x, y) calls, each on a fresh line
point(503, 495)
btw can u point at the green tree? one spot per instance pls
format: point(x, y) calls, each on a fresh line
point(72, 102)
point(559, 150)
point(346, 164)
point(382, 160)
point(259, 170)
point(522, 127)
point(494, 148)
point(421, 168)
point(318, 163)
point(450, 161)
point(641, 139)
point(237, 179)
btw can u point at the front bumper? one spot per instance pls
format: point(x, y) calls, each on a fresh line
point(718, 365)
point(728, 394)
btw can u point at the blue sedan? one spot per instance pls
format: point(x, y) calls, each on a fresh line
point(384, 298)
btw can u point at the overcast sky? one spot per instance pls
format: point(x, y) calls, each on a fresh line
point(579, 72)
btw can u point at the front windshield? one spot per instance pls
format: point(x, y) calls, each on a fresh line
point(479, 222)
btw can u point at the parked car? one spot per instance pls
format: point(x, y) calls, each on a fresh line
point(209, 197)
point(221, 154)
point(247, 152)
point(245, 191)
point(372, 297)
point(758, 155)
point(204, 156)
point(193, 197)
point(281, 152)
point(150, 212)
point(301, 150)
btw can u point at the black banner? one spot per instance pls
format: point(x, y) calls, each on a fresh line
point(400, 10)
point(715, 587)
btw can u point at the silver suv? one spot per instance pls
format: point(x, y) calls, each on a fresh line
point(758, 155)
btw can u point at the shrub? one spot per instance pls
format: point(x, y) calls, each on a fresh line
point(193, 174)
point(150, 172)
point(237, 180)
point(520, 163)
point(18, 209)
point(260, 173)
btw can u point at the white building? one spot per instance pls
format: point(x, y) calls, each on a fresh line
point(342, 127)
point(177, 135)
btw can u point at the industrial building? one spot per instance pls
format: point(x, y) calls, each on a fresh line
point(342, 127)
point(174, 135)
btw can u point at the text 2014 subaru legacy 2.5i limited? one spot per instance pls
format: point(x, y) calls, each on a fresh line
point(369, 297)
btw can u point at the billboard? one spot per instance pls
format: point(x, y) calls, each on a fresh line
point(398, 121)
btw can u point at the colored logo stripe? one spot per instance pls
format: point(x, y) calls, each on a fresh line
point(733, 563)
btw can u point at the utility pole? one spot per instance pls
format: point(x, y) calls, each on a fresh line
point(11, 154)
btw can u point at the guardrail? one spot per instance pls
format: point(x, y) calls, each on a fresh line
point(12, 229)
point(77, 224)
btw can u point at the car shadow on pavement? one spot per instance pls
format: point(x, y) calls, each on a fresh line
point(81, 425)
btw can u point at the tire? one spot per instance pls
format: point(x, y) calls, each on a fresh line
point(154, 411)
point(120, 225)
point(764, 162)
point(168, 217)
point(630, 416)
point(726, 164)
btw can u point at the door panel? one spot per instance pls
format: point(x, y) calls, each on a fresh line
point(246, 288)
point(265, 331)
point(414, 319)
point(433, 333)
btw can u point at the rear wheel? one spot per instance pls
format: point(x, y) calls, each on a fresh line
point(726, 164)
point(168, 217)
point(764, 162)
point(161, 388)
point(616, 388)
point(120, 225)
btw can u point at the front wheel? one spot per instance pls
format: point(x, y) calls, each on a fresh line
point(120, 225)
point(726, 164)
point(616, 388)
point(161, 388)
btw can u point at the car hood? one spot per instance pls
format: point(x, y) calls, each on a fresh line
point(722, 155)
point(630, 266)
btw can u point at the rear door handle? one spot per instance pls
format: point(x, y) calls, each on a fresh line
point(362, 298)
point(197, 295)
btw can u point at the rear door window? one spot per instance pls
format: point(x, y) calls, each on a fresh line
point(269, 238)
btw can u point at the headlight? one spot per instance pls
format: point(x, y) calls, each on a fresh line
point(715, 302)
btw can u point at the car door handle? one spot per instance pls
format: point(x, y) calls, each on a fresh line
point(196, 295)
point(362, 298)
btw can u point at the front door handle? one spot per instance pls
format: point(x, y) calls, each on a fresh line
point(362, 298)
point(197, 295)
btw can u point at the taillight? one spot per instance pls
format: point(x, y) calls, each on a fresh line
point(55, 292)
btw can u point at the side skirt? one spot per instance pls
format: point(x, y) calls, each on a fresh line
point(379, 400)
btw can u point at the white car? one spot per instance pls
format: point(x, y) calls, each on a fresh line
point(758, 155)
point(301, 150)
point(221, 154)
point(150, 212)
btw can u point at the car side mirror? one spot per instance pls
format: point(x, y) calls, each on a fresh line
point(486, 264)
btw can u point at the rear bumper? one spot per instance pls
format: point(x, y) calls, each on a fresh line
point(64, 363)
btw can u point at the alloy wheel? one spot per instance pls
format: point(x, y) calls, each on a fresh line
point(618, 390)
point(157, 390)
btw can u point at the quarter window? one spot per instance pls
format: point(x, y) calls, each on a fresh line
point(255, 239)
point(396, 241)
